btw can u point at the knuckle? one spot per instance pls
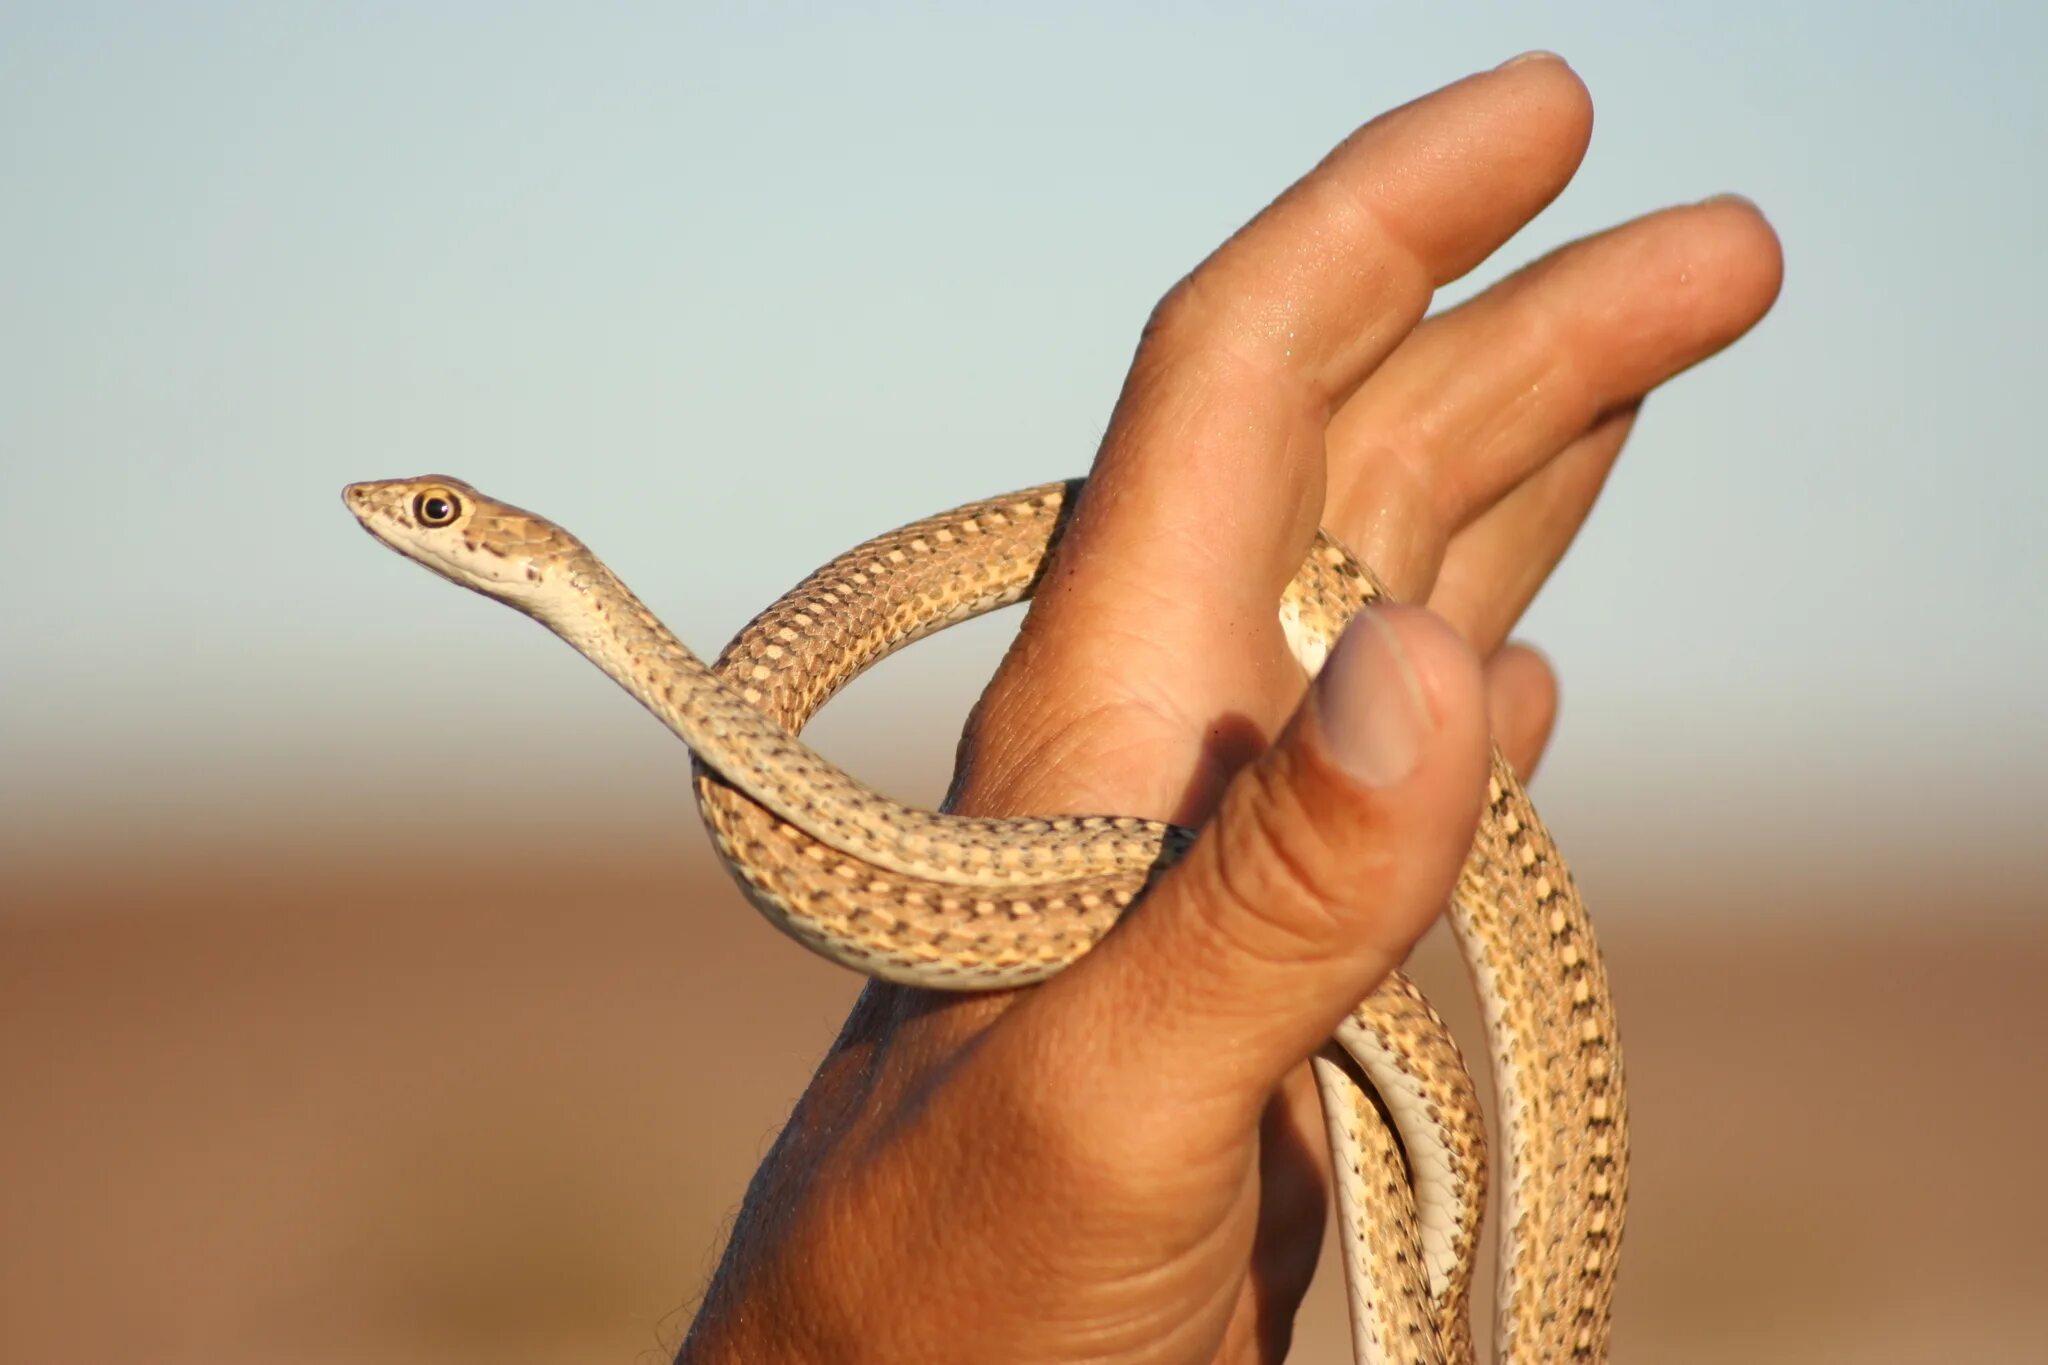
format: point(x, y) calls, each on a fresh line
point(1185, 313)
point(1279, 888)
point(1550, 337)
point(1221, 328)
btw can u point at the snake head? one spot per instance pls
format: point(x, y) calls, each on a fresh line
point(468, 537)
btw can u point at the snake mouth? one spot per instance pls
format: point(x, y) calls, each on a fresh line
point(365, 498)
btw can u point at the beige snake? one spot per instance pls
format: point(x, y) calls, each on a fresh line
point(964, 904)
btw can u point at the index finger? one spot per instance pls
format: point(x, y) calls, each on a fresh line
point(1211, 475)
point(1154, 636)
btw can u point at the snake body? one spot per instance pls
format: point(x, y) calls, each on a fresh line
point(955, 903)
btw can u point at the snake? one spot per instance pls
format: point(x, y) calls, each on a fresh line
point(942, 901)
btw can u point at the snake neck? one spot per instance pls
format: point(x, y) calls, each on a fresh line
point(585, 604)
point(599, 617)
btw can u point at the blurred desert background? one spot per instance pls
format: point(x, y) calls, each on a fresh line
point(367, 992)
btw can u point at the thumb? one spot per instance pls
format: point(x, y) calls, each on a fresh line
point(1325, 861)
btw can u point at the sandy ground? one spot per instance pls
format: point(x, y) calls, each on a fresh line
point(262, 1106)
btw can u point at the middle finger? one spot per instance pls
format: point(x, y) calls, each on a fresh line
point(1482, 398)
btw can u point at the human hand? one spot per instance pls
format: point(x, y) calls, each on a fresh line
point(1125, 1162)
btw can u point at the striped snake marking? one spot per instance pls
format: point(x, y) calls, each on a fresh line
point(956, 903)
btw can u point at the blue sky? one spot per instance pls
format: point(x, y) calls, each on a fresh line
point(726, 292)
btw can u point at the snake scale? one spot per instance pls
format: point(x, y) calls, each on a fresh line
point(954, 903)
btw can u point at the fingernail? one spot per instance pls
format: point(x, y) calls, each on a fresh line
point(1535, 55)
point(1742, 199)
point(1369, 704)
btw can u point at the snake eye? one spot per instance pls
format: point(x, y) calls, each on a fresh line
point(436, 507)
